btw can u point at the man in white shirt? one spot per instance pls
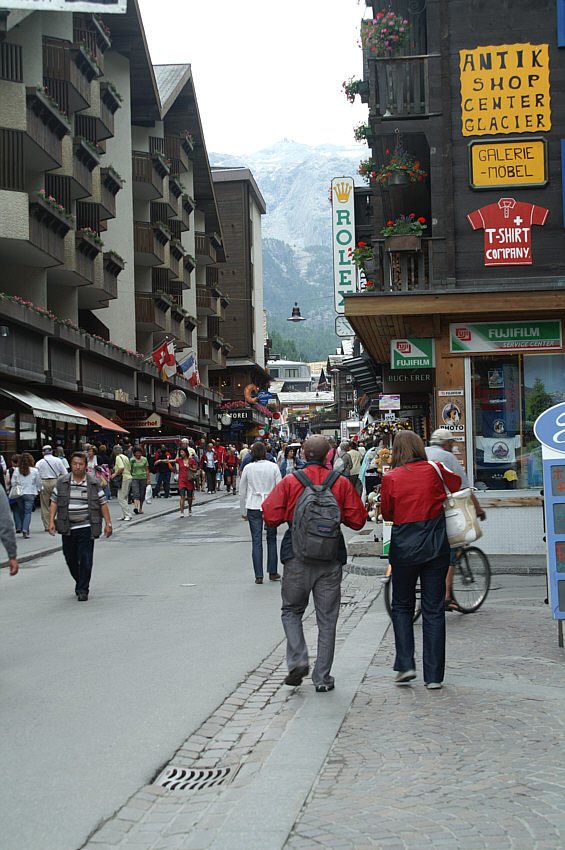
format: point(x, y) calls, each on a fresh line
point(258, 478)
point(50, 468)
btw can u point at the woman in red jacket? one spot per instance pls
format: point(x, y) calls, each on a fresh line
point(412, 497)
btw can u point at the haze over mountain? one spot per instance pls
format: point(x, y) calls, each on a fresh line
point(295, 180)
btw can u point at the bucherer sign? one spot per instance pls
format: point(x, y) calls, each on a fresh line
point(505, 89)
point(343, 236)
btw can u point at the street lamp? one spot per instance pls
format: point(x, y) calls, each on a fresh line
point(336, 373)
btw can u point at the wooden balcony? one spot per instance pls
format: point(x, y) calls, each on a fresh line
point(402, 270)
point(68, 71)
point(12, 160)
point(212, 276)
point(207, 302)
point(403, 86)
point(105, 287)
point(187, 269)
point(178, 149)
point(222, 305)
point(149, 244)
point(150, 312)
point(147, 179)
point(85, 160)
point(175, 195)
point(176, 326)
point(205, 250)
point(109, 105)
point(45, 128)
point(11, 64)
point(162, 282)
point(187, 209)
point(77, 270)
point(88, 31)
point(47, 230)
point(210, 352)
point(110, 184)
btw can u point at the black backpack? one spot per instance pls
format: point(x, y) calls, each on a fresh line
point(316, 531)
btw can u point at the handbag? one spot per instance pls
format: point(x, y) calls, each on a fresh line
point(461, 521)
point(16, 491)
point(149, 494)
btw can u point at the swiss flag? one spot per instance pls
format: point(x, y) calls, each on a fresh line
point(159, 356)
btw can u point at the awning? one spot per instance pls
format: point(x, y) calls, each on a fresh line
point(46, 408)
point(98, 419)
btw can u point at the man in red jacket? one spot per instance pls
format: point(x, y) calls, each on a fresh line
point(322, 578)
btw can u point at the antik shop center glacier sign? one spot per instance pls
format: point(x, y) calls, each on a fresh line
point(505, 336)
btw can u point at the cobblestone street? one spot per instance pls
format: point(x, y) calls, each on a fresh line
point(476, 765)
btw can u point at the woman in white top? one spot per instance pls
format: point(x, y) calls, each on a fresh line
point(30, 480)
point(259, 477)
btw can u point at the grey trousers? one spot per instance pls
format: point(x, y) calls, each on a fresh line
point(324, 582)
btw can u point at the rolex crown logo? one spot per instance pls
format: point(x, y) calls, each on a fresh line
point(342, 192)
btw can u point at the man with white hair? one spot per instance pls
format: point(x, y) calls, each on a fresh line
point(440, 449)
point(50, 468)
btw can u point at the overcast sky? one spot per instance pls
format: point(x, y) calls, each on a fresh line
point(260, 74)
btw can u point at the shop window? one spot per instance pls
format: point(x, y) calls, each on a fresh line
point(509, 393)
point(7, 434)
point(28, 433)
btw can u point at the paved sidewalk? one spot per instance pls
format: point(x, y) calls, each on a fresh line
point(476, 765)
point(40, 543)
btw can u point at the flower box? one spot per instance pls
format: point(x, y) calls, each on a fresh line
point(398, 178)
point(68, 334)
point(404, 242)
point(23, 315)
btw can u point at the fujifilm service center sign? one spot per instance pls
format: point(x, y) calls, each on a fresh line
point(505, 336)
point(112, 7)
point(343, 238)
point(412, 353)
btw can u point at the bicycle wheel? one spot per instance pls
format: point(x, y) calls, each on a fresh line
point(388, 598)
point(471, 581)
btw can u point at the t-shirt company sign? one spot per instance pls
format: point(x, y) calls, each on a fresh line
point(109, 6)
point(508, 230)
point(505, 336)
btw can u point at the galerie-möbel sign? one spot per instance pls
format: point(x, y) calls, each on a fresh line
point(505, 336)
point(412, 353)
point(505, 89)
point(512, 162)
point(343, 237)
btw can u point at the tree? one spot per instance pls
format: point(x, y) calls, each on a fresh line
point(538, 400)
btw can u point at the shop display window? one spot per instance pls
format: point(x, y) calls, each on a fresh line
point(7, 434)
point(509, 393)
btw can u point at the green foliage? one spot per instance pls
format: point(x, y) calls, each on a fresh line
point(297, 342)
point(538, 400)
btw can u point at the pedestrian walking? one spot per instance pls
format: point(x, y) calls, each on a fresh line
point(220, 453)
point(231, 464)
point(122, 471)
point(140, 478)
point(50, 468)
point(188, 476)
point(78, 506)
point(258, 479)
point(163, 462)
point(343, 461)
point(8, 533)
point(209, 464)
point(442, 443)
point(412, 497)
point(356, 459)
point(27, 478)
point(313, 553)
point(60, 453)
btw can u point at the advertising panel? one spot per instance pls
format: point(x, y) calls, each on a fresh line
point(479, 337)
point(508, 230)
point(505, 89)
point(389, 402)
point(112, 7)
point(451, 415)
point(513, 162)
point(343, 238)
point(412, 353)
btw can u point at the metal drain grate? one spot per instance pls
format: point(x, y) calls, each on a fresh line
point(190, 779)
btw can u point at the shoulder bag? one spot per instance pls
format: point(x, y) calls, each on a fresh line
point(461, 519)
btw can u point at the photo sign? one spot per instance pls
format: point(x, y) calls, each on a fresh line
point(482, 337)
point(343, 238)
point(450, 408)
point(505, 89)
point(389, 402)
point(412, 353)
point(112, 7)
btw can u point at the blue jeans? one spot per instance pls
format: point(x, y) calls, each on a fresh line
point(432, 582)
point(78, 549)
point(23, 511)
point(163, 478)
point(256, 527)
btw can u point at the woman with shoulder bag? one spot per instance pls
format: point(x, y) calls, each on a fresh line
point(412, 497)
point(188, 475)
point(140, 478)
point(26, 484)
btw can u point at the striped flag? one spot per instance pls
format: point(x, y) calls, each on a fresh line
point(190, 370)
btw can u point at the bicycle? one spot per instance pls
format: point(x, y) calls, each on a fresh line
point(471, 582)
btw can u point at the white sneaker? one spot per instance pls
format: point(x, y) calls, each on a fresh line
point(126, 518)
point(434, 686)
point(405, 676)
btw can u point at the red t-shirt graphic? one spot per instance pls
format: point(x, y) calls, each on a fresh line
point(508, 231)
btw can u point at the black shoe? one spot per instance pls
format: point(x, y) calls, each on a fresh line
point(295, 676)
point(274, 577)
point(323, 689)
point(82, 597)
point(135, 511)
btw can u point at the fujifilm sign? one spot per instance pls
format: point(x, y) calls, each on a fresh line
point(110, 7)
point(412, 353)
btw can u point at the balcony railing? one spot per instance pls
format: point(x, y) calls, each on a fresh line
point(210, 352)
point(46, 127)
point(403, 86)
point(110, 185)
point(12, 160)
point(161, 282)
point(149, 244)
point(205, 251)
point(403, 270)
point(67, 73)
point(211, 276)
point(147, 182)
point(206, 301)
point(150, 312)
point(47, 229)
point(11, 65)
point(178, 150)
point(85, 161)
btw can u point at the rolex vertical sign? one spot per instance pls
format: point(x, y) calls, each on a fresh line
point(343, 237)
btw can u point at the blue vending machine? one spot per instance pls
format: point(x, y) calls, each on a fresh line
point(549, 429)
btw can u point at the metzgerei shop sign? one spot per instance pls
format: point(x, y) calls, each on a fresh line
point(505, 89)
point(482, 337)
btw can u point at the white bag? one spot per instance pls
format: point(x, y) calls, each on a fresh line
point(461, 519)
point(148, 494)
